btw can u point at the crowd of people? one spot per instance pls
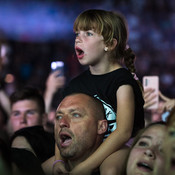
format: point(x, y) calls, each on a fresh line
point(101, 124)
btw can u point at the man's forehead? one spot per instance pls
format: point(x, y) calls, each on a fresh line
point(76, 98)
point(79, 102)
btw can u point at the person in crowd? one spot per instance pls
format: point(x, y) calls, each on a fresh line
point(169, 103)
point(53, 91)
point(101, 44)
point(53, 84)
point(27, 109)
point(28, 136)
point(169, 145)
point(149, 96)
point(79, 129)
point(164, 107)
point(30, 147)
point(145, 155)
point(4, 64)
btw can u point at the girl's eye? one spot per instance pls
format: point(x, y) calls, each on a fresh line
point(77, 34)
point(89, 33)
point(172, 133)
point(142, 143)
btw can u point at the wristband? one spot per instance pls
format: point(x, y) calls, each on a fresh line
point(57, 161)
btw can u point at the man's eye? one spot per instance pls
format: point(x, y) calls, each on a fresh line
point(58, 117)
point(31, 112)
point(15, 114)
point(76, 115)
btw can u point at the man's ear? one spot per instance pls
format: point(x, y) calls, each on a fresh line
point(102, 126)
point(113, 44)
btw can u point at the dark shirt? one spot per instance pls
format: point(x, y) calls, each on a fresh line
point(42, 142)
point(104, 87)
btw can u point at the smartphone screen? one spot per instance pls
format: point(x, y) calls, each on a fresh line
point(152, 82)
point(58, 65)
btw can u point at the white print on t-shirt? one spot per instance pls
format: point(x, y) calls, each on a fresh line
point(110, 116)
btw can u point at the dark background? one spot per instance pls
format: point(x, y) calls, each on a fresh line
point(38, 32)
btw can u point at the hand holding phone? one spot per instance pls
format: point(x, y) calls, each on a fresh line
point(58, 66)
point(151, 92)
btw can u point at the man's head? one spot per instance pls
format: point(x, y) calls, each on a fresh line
point(79, 126)
point(27, 108)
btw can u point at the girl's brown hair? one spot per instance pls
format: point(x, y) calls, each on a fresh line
point(111, 25)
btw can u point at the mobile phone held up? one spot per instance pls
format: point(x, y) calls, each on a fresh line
point(152, 82)
point(58, 65)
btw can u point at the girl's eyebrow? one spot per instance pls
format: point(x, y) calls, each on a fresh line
point(145, 136)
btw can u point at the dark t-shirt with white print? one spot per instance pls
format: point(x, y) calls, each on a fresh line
point(104, 87)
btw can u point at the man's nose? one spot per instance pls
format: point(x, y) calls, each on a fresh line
point(150, 153)
point(64, 122)
point(23, 118)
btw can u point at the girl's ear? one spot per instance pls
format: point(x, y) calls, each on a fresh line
point(102, 126)
point(113, 44)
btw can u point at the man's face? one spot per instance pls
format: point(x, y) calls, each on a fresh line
point(169, 150)
point(25, 113)
point(75, 127)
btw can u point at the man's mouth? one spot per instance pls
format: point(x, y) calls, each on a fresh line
point(79, 52)
point(65, 139)
point(144, 166)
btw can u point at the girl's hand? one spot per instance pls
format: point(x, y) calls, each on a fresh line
point(59, 169)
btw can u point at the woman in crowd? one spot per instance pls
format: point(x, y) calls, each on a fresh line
point(146, 156)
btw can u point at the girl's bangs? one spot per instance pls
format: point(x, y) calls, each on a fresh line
point(87, 23)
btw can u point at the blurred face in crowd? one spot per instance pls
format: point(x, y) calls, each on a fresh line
point(76, 128)
point(25, 113)
point(146, 156)
point(169, 150)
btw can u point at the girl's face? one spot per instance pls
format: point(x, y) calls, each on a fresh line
point(146, 157)
point(89, 47)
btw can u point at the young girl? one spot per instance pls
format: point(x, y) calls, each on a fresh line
point(101, 43)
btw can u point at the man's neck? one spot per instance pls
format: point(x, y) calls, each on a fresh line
point(73, 163)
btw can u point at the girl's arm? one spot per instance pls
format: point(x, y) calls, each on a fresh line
point(125, 120)
point(58, 167)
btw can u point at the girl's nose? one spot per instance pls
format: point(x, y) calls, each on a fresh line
point(78, 38)
point(149, 153)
